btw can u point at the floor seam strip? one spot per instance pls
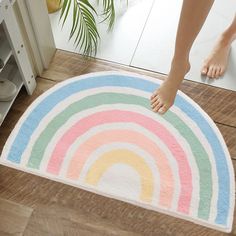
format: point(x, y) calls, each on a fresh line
point(219, 123)
point(153, 2)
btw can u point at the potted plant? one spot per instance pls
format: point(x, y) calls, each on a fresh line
point(84, 23)
point(53, 5)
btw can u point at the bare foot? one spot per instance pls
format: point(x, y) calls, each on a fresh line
point(163, 98)
point(216, 63)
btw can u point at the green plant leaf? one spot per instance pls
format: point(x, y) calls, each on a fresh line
point(84, 27)
point(108, 13)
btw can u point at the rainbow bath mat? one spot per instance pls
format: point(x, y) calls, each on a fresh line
point(97, 132)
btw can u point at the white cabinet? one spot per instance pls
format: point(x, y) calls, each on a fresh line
point(14, 61)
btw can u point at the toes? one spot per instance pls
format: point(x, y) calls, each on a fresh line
point(157, 106)
point(163, 109)
point(154, 94)
point(210, 72)
point(154, 99)
point(217, 74)
point(204, 70)
point(154, 104)
point(214, 72)
point(222, 70)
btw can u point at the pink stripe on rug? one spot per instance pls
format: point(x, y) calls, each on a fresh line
point(83, 125)
point(128, 136)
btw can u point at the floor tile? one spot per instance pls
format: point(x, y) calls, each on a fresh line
point(14, 217)
point(119, 44)
point(156, 46)
point(60, 221)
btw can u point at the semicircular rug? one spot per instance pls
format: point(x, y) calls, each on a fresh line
point(97, 132)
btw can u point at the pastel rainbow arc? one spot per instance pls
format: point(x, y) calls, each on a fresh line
point(120, 116)
point(106, 98)
point(110, 98)
point(181, 102)
point(123, 156)
point(76, 164)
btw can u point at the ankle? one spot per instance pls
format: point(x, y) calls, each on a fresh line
point(227, 37)
point(179, 68)
point(180, 64)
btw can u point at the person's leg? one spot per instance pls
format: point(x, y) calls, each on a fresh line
point(215, 64)
point(193, 15)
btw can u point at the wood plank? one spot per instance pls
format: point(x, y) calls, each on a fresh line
point(14, 217)
point(48, 193)
point(44, 195)
point(229, 134)
point(219, 104)
point(60, 221)
point(34, 191)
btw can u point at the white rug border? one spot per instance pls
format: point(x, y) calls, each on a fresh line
point(152, 79)
point(123, 199)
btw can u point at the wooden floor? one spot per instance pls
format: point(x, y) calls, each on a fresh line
point(34, 206)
